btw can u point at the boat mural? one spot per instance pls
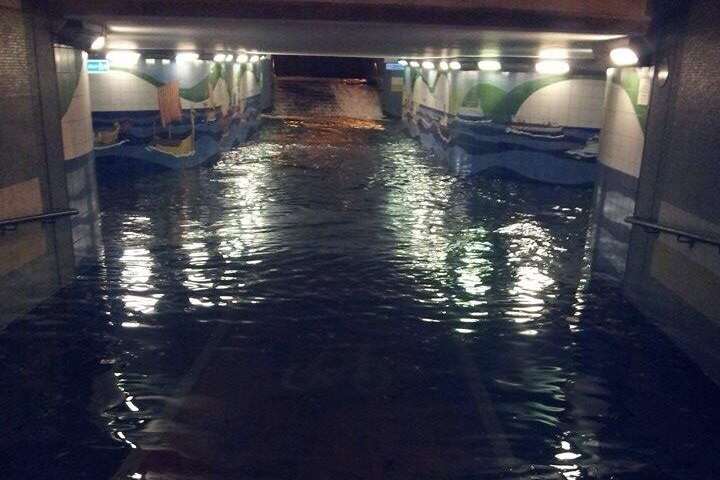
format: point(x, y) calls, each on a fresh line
point(175, 126)
point(505, 125)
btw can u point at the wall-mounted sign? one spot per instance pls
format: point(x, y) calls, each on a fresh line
point(394, 66)
point(98, 66)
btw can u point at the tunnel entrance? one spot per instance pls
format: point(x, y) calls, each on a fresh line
point(321, 87)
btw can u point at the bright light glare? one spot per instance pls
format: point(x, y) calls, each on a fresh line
point(98, 43)
point(229, 57)
point(219, 57)
point(624, 56)
point(242, 58)
point(122, 58)
point(166, 61)
point(428, 65)
point(187, 56)
point(444, 66)
point(150, 61)
point(455, 65)
point(254, 59)
point(489, 65)
point(403, 62)
point(554, 53)
point(414, 64)
point(552, 67)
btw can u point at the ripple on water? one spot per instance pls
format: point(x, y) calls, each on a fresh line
point(327, 301)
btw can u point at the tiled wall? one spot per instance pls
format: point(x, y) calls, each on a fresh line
point(477, 121)
point(35, 258)
point(577, 103)
point(135, 88)
point(573, 101)
point(77, 133)
point(621, 152)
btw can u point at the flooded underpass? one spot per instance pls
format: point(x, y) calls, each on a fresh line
point(328, 302)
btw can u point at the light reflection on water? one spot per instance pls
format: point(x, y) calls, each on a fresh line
point(327, 302)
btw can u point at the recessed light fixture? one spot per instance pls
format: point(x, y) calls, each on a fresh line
point(489, 65)
point(428, 65)
point(254, 59)
point(552, 67)
point(624, 56)
point(443, 65)
point(455, 65)
point(122, 58)
point(554, 53)
point(229, 57)
point(414, 64)
point(242, 58)
point(403, 62)
point(98, 43)
point(187, 56)
point(150, 61)
point(219, 57)
point(166, 61)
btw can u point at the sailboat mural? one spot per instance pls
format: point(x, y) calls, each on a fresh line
point(539, 127)
point(175, 116)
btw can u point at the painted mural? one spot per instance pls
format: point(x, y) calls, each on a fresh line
point(622, 143)
point(175, 115)
point(78, 146)
point(543, 128)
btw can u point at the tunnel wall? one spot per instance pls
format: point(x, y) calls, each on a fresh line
point(35, 258)
point(539, 127)
point(677, 283)
point(220, 102)
point(622, 142)
point(77, 136)
point(392, 79)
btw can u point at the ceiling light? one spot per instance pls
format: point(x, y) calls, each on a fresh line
point(122, 58)
point(242, 58)
point(254, 59)
point(428, 65)
point(98, 43)
point(455, 65)
point(554, 53)
point(414, 64)
point(552, 67)
point(443, 65)
point(166, 61)
point(624, 56)
point(489, 65)
point(186, 56)
point(229, 57)
point(219, 57)
point(403, 62)
point(150, 61)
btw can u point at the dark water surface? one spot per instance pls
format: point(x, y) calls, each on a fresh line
point(329, 303)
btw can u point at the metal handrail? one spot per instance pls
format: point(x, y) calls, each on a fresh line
point(47, 217)
point(683, 236)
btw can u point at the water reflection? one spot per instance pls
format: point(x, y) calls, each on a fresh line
point(329, 303)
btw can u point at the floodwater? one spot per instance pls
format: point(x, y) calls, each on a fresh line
point(328, 302)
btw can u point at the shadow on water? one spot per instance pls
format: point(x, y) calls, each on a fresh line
point(327, 302)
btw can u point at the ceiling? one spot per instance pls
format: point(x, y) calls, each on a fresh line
point(337, 38)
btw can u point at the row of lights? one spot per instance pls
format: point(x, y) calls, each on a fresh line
point(129, 57)
point(552, 61)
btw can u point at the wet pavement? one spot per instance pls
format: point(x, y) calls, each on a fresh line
point(328, 302)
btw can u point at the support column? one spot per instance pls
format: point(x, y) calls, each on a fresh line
point(674, 282)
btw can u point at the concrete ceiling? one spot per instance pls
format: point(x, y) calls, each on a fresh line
point(336, 38)
point(363, 28)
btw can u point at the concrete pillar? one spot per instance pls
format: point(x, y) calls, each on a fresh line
point(35, 258)
point(678, 284)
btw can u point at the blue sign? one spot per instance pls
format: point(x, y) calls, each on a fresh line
point(394, 66)
point(98, 66)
